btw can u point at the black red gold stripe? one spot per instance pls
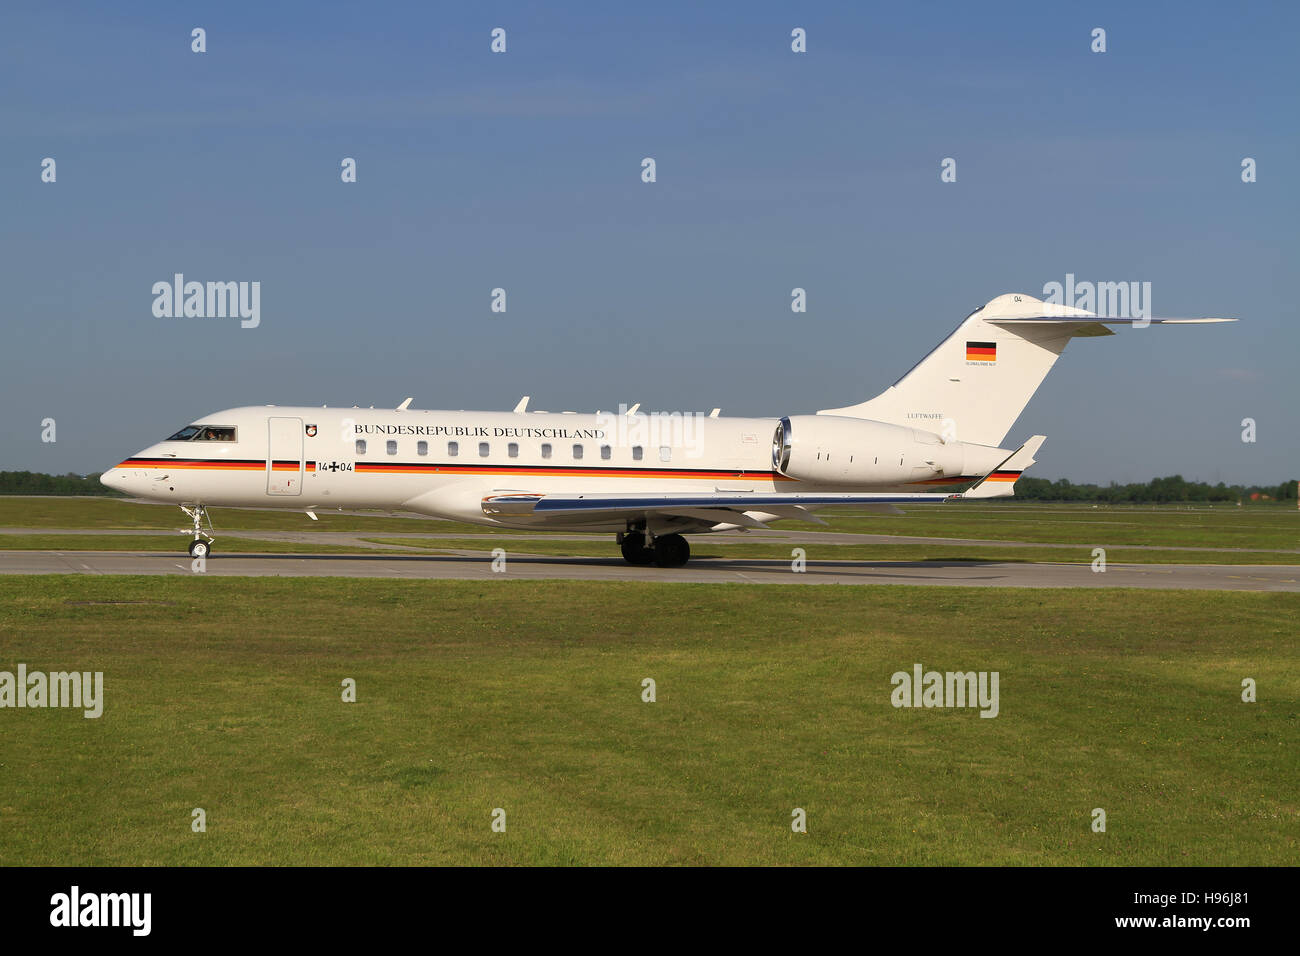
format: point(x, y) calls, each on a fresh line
point(570, 471)
point(946, 480)
point(960, 479)
point(445, 468)
point(217, 464)
point(981, 351)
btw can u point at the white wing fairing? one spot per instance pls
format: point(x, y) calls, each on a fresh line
point(936, 430)
point(1001, 481)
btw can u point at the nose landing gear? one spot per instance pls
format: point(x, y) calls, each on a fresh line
point(198, 547)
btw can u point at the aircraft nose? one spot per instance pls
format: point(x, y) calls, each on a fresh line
point(113, 478)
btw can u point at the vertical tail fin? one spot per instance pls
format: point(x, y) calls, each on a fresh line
point(975, 383)
point(973, 386)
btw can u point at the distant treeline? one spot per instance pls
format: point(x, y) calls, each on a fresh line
point(1157, 491)
point(35, 483)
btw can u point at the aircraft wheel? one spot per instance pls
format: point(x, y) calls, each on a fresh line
point(671, 551)
point(199, 549)
point(634, 549)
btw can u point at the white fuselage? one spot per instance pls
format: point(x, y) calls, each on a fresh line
point(446, 463)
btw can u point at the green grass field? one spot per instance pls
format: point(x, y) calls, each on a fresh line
point(224, 693)
point(120, 514)
point(1256, 526)
point(169, 542)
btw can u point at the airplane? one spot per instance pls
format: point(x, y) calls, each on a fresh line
point(649, 479)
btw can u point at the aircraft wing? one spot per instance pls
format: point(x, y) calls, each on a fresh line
point(717, 507)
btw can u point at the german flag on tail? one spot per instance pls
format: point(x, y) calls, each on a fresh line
point(981, 351)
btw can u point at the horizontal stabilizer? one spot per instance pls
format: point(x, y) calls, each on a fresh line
point(1088, 327)
point(1062, 320)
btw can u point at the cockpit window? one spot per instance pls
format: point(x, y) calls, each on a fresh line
point(204, 433)
point(214, 433)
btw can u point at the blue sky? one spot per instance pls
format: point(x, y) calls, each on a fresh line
point(522, 170)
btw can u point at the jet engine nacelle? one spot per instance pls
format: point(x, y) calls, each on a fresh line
point(827, 449)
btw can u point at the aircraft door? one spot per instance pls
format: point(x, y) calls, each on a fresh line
point(284, 464)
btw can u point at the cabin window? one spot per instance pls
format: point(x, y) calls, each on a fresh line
point(546, 450)
point(392, 447)
point(453, 448)
point(577, 452)
point(361, 446)
point(422, 448)
point(513, 449)
point(483, 449)
point(604, 452)
point(665, 453)
point(637, 452)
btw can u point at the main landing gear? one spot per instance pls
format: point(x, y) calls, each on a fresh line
point(667, 551)
point(198, 547)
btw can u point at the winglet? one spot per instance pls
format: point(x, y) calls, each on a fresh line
point(406, 404)
point(522, 406)
point(1001, 481)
